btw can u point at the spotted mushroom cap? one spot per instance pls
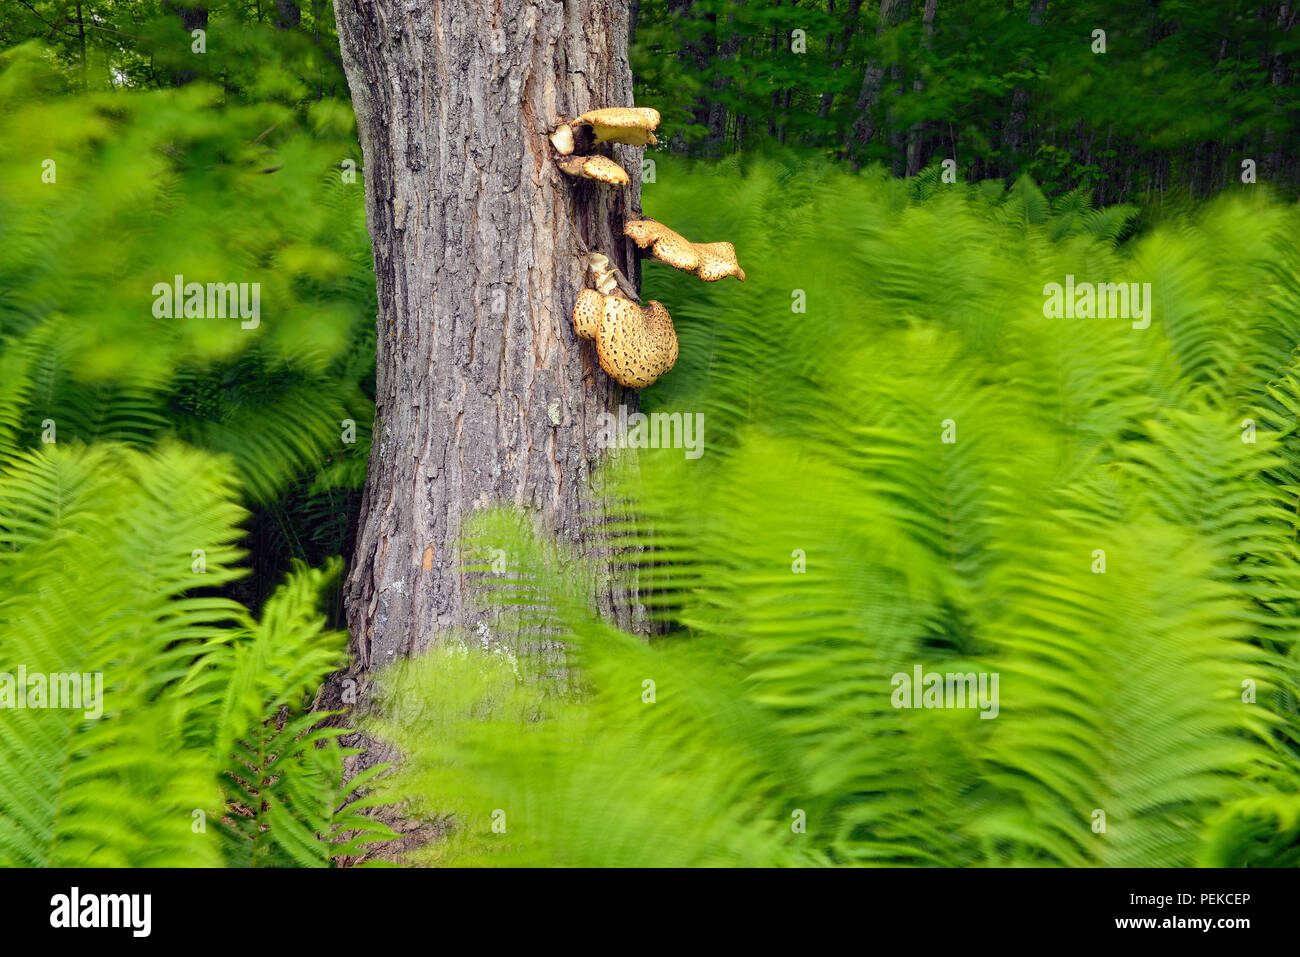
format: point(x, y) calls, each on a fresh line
point(676, 251)
point(709, 261)
point(659, 323)
point(633, 125)
point(635, 345)
point(587, 312)
point(600, 168)
point(643, 232)
point(717, 261)
point(666, 245)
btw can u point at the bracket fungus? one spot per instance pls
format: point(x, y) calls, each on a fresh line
point(600, 168)
point(562, 139)
point(604, 274)
point(586, 313)
point(709, 261)
point(632, 125)
point(635, 344)
point(575, 140)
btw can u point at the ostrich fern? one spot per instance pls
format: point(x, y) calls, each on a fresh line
point(829, 538)
point(206, 751)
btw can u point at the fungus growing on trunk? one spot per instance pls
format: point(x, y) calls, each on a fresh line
point(633, 125)
point(562, 139)
point(709, 261)
point(600, 168)
point(586, 313)
point(717, 261)
point(635, 344)
point(602, 273)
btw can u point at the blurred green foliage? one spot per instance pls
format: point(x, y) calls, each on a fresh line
point(1122, 691)
point(194, 444)
point(206, 751)
point(128, 440)
point(232, 176)
point(1183, 93)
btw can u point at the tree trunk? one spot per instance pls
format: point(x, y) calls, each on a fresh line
point(288, 15)
point(699, 45)
point(916, 133)
point(1274, 154)
point(1015, 134)
point(192, 18)
point(842, 40)
point(484, 395)
point(728, 46)
point(897, 135)
point(81, 38)
point(892, 13)
point(773, 52)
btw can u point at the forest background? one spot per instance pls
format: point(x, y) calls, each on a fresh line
point(830, 538)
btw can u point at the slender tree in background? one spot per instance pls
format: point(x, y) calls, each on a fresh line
point(726, 52)
point(697, 47)
point(484, 395)
point(915, 135)
point(840, 41)
point(1015, 130)
point(892, 13)
point(192, 18)
point(288, 14)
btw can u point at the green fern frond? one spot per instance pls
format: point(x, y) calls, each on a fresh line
point(918, 469)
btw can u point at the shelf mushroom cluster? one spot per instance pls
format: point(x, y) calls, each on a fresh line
point(634, 344)
point(709, 261)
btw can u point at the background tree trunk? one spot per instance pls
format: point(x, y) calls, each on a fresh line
point(728, 47)
point(484, 394)
point(892, 13)
point(842, 39)
point(192, 18)
point(894, 125)
point(1275, 156)
point(699, 47)
point(288, 15)
point(1016, 121)
point(916, 134)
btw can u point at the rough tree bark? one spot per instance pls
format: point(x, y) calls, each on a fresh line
point(484, 395)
